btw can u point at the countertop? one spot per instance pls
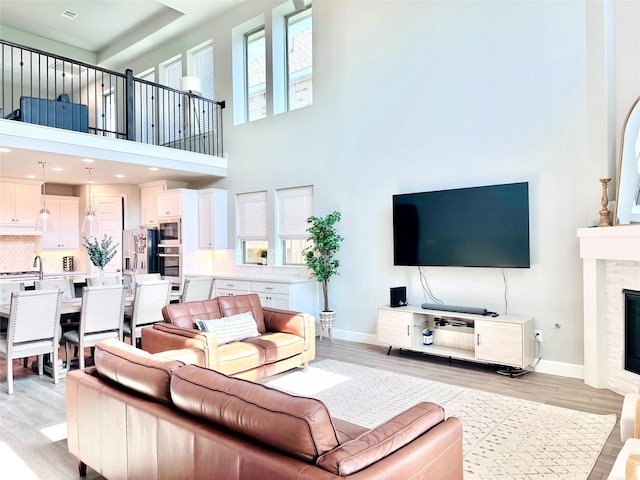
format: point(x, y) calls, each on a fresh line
point(261, 278)
point(78, 277)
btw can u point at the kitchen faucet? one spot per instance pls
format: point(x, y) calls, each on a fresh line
point(38, 261)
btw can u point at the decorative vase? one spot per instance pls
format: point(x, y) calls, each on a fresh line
point(101, 272)
point(327, 320)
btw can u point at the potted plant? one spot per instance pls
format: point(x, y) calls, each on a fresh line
point(263, 257)
point(318, 257)
point(100, 253)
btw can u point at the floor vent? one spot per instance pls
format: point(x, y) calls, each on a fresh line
point(68, 14)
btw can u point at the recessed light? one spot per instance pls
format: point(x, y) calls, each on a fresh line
point(154, 169)
point(87, 160)
point(91, 182)
point(31, 176)
point(57, 169)
point(119, 176)
point(5, 149)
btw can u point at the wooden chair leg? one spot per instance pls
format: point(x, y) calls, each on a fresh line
point(67, 352)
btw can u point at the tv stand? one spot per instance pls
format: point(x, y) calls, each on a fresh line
point(505, 340)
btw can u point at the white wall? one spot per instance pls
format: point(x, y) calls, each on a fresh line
point(412, 96)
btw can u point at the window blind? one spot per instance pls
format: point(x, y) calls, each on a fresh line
point(252, 216)
point(203, 66)
point(295, 205)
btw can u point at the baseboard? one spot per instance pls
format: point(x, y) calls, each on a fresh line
point(560, 369)
point(549, 367)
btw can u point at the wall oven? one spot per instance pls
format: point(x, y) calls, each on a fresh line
point(170, 262)
point(170, 230)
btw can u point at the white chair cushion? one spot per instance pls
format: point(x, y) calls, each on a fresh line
point(619, 468)
point(231, 329)
point(628, 415)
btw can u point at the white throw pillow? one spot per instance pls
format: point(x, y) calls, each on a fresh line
point(230, 329)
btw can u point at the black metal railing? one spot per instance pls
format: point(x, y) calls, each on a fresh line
point(50, 90)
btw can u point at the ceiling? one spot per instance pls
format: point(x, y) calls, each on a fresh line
point(114, 31)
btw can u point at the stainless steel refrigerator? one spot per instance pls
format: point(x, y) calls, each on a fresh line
point(140, 251)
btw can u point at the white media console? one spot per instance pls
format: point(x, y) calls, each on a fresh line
point(502, 340)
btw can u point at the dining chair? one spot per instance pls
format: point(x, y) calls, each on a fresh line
point(34, 326)
point(196, 288)
point(68, 289)
point(64, 284)
point(107, 280)
point(101, 317)
point(148, 301)
point(146, 277)
point(6, 289)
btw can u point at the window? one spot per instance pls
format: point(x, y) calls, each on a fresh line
point(145, 109)
point(295, 205)
point(256, 76)
point(201, 113)
point(109, 112)
point(170, 75)
point(252, 225)
point(201, 61)
point(292, 56)
point(299, 59)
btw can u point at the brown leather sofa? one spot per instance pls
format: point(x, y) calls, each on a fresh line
point(142, 416)
point(286, 341)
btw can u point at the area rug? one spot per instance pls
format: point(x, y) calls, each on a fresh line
point(504, 438)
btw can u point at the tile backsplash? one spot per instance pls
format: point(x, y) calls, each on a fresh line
point(17, 253)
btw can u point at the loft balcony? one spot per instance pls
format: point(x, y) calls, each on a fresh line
point(54, 104)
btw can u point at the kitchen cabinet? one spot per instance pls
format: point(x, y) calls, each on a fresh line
point(169, 203)
point(299, 295)
point(66, 224)
point(149, 200)
point(212, 219)
point(19, 204)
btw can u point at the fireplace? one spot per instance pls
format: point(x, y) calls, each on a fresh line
point(631, 330)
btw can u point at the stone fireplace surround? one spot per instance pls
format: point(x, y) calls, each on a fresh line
point(611, 263)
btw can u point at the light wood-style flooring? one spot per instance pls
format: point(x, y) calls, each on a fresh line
point(32, 421)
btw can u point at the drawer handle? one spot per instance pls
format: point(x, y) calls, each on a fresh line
point(268, 288)
point(478, 339)
point(407, 329)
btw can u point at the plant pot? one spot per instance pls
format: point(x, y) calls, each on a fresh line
point(327, 320)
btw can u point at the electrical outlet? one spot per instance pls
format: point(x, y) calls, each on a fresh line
point(537, 336)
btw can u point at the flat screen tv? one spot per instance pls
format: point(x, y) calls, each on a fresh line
point(484, 226)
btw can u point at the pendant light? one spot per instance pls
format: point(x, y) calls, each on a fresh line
point(90, 223)
point(44, 223)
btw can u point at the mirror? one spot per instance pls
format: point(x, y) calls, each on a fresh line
point(627, 208)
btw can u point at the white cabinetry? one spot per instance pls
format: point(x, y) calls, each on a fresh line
point(503, 340)
point(66, 224)
point(169, 203)
point(227, 286)
point(19, 204)
point(299, 295)
point(149, 200)
point(212, 218)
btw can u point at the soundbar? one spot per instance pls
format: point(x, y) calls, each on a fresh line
point(451, 308)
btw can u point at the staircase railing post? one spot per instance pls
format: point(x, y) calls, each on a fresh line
point(130, 117)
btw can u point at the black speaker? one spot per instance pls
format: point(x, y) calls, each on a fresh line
point(398, 296)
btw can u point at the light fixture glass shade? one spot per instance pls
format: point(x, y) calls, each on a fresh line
point(44, 223)
point(191, 85)
point(90, 224)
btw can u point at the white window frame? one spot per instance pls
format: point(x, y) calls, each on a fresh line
point(295, 206)
point(252, 223)
point(279, 52)
point(239, 67)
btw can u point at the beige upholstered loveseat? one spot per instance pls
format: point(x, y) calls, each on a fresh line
point(286, 340)
point(138, 415)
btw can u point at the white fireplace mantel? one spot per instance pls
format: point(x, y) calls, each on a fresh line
point(598, 245)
